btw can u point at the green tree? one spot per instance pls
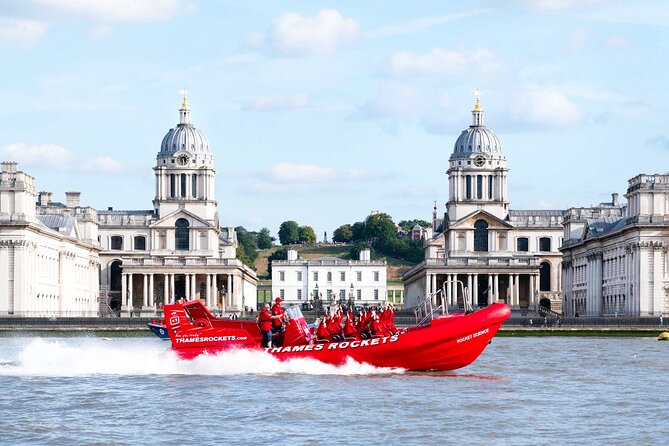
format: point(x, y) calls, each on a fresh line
point(307, 234)
point(379, 225)
point(408, 225)
point(358, 232)
point(354, 252)
point(248, 241)
point(279, 254)
point(265, 240)
point(243, 257)
point(289, 233)
point(343, 234)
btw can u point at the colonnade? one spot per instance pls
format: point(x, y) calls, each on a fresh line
point(454, 287)
point(224, 291)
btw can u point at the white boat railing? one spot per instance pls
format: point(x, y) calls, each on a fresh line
point(427, 308)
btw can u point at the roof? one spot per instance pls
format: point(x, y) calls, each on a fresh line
point(59, 223)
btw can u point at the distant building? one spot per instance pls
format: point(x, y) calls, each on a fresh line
point(49, 264)
point(616, 259)
point(68, 259)
point(481, 245)
point(329, 279)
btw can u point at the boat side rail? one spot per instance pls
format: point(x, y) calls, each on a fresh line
point(426, 310)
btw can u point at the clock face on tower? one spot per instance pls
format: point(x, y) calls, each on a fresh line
point(182, 160)
point(479, 161)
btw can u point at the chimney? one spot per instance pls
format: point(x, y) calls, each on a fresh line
point(10, 167)
point(72, 199)
point(44, 198)
point(365, 255)
point(292, 255)
point(614, 199)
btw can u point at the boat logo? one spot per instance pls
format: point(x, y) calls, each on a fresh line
point(472, 336)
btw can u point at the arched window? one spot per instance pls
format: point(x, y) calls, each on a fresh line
point(481, 235)
point(182, 236)
point(115, 276)
point(139, 243)
point(522, 244)
point(545, 244)
point(194, 186)
point(117, 242)
point(545, 276)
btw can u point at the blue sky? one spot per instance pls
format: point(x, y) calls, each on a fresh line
point(321, 112)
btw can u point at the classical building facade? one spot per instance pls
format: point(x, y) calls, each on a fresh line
point(482, 250)
point(49, 263)
point(65, 259)
point(330, 279)
point(176, 249)
point(616, 259)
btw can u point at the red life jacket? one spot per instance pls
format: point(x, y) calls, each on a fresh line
point(276, 311)
point(265, 320)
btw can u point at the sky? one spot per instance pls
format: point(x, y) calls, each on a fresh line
point(322, 112)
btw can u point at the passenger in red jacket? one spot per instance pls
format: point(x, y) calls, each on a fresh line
point(265, 324)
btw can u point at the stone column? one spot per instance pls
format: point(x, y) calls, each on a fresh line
point(449, 288)
point(228, 292)
point(208, 290)
point(490, 290)
point(172, 289)
point(516, 291)
point(496, 287)
point(433, 286)
point(531, 298)
point(145, 293)
point(470, 287)
point(193, 287)
point(152, 300)
point(124, 289)
point(187, 286)
point(214, 292)
point(475, 286)
point(166, 290)
point(509, 299)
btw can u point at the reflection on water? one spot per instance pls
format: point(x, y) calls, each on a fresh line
point(520, 391)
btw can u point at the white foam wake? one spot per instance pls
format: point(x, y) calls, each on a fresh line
point(81, 357)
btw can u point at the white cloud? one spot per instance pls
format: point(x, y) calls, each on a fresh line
point(42, 155)
point(15, 32)
point(560, 5)
point(547, 106)
point(102, 32)
point(115, 10)
point(301, 173)
point(420, 24)
point(103, 164)
point(271, 103)
point(295, 35)
point(440, 63)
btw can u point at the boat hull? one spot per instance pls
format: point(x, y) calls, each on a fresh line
point(446, 343)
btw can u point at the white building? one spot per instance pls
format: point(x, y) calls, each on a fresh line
point(177, 249)
point(49, 264)
point(481, 245)
point(67, 259)
point(616, 258)
point(329, 279)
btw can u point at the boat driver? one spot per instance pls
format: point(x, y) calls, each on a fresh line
point(277, 324)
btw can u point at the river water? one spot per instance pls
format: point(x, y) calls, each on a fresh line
point(121, 391)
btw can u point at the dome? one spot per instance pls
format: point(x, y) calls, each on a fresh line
point(477, 138)
point(184, 136)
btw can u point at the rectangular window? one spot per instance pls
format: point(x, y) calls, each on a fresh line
point(183, 185)
point(545, 244)
point(359, 296)
point(315, 276)
point(299, 276)
point(282, 276)
point(468, 183)
point(342, 294)
point(490, 187)
point(522, 244)
point(282, 293)
point(342, 276)
point(376, 294)
point(194, 186)
point(358, 276)
point(299, 294)
point(376, 276)
point(329, 294)
point(479, 186)
point(173, 185)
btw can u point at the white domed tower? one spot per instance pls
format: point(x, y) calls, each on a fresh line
point(477, 173)
point(185, 171)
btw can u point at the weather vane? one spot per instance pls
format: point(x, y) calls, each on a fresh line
point(184, 93)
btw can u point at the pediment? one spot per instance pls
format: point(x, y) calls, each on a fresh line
point(169, 220)
point(467, 222)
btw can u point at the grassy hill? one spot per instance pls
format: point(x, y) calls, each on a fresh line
point(395, 267)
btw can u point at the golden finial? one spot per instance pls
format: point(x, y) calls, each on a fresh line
point(184, 104)
point(476, 93)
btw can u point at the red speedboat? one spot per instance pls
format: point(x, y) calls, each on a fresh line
point(444, 342)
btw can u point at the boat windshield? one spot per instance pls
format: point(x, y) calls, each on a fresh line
point(294, 313)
